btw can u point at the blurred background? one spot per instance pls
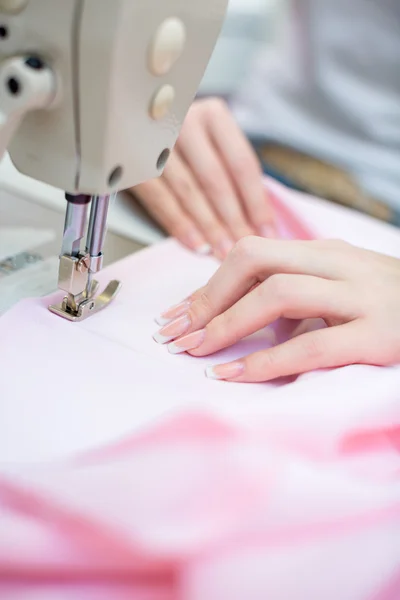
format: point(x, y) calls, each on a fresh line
point(250, 26)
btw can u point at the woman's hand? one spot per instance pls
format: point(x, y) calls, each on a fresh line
point(211, 193)
point(356, 292)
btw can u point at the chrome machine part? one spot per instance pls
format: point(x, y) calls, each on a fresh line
point(77, 268)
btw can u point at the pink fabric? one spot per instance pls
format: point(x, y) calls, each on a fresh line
point(124, 473)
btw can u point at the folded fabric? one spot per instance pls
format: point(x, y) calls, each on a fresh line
point(125, 473)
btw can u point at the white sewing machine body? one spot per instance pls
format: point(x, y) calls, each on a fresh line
point(125, 73)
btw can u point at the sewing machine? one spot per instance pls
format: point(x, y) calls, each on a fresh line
point(92, 97)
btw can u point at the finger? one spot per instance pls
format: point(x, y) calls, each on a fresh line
point(291, 296)
point(161, 204)
point(255, 259)
point(213, 178)
point(244, 168)
point(194, 203)
point(323, 349)
point(177, 310)
point(251, 262)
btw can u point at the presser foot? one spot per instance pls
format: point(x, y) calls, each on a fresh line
point(81, 300)
point(89, 306)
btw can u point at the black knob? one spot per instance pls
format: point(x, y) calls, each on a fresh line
point(34, 63)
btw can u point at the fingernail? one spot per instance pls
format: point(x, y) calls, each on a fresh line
point(225, 372)
point(173, 313)
point(172, 330)
point(196, 242)
point(204, 249)
point(187, 342)
point(267, 231)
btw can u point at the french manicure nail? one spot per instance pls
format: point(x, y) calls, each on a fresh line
point(196, 242)
point(173, 313)
point(204, 249)
point(187, 342)
point(225, 372)
point(172, 330)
